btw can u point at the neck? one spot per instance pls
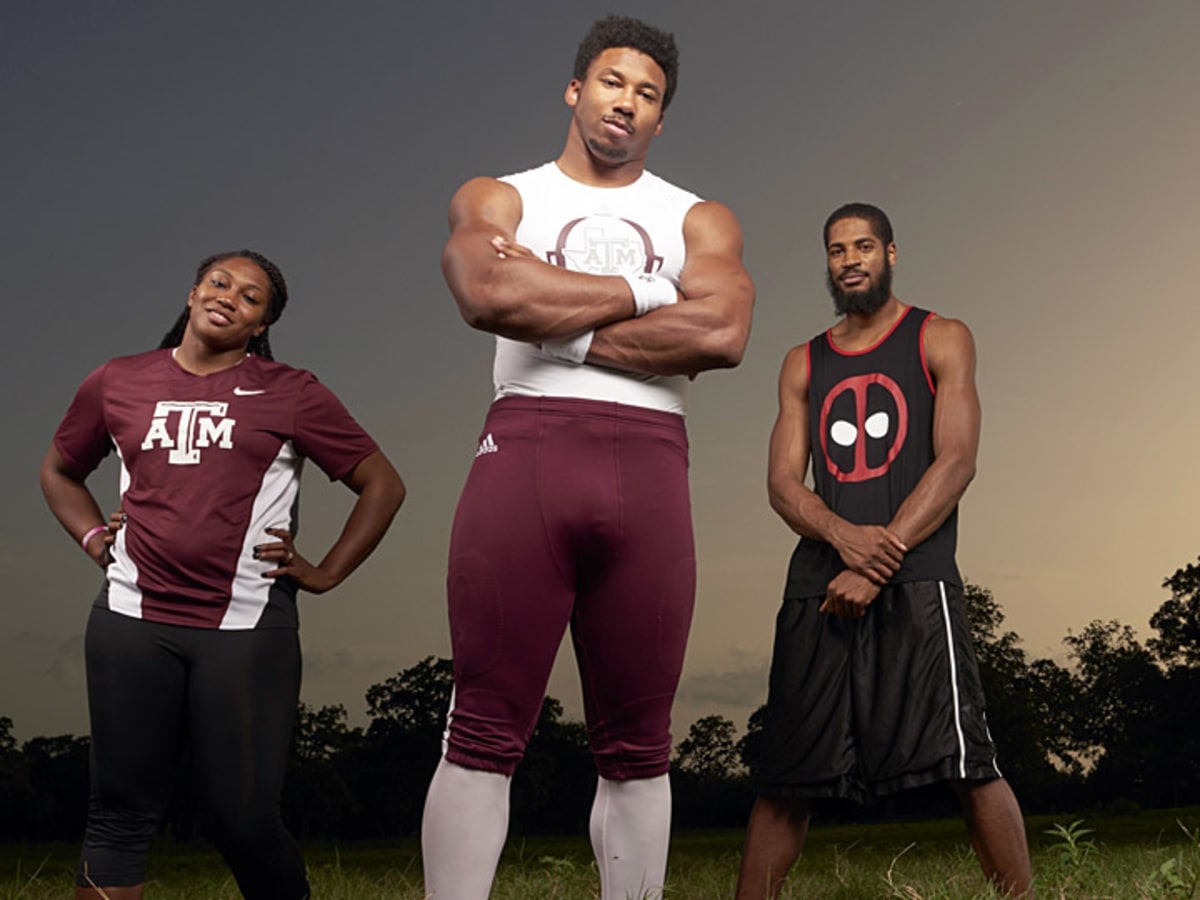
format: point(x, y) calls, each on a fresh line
point(886, 315)
point(198, 358)
point(577, 161)
point(858, 330)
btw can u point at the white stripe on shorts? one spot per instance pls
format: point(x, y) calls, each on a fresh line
point(962, 744)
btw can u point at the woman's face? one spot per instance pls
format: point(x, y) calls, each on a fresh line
point(229, 304)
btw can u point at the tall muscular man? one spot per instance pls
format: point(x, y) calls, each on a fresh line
point(606, 288)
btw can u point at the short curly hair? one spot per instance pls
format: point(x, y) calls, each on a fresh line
point(625, 31)
point(881, 225)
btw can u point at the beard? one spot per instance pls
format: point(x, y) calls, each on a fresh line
point(861, 302)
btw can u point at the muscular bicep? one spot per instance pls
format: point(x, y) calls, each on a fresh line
point(480, 210)
point(789, 447)
point(713, 268)
point(950, 352)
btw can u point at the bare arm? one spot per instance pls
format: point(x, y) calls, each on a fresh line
point(709, 329)
point(950, 354)
point(516, 295)
point(872, 551)
point(72, 503)
point(380, 493)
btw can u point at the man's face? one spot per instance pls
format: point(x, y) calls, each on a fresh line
point(618, 105)
point(859, 277)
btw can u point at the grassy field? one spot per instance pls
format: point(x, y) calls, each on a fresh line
point(1154, 854)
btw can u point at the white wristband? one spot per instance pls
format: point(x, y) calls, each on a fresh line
point(650, 292)
point(572, 350)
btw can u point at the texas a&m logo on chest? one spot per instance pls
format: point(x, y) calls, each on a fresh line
point(184, 428)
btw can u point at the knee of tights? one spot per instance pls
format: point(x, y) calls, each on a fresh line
point(102, 866)
point(115, 844)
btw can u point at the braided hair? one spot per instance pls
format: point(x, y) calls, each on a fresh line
point(259, 344)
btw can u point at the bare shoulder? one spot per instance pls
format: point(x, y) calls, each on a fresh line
point(712, 224)
point(949, 345)
point(793, 376)
point(485, 200)
point(949, 334)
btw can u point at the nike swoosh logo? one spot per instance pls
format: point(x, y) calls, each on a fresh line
point(240, 392)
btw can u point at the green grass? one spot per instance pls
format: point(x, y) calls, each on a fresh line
point(1153, 855)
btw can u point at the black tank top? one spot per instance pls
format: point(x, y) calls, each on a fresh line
point(871, 431)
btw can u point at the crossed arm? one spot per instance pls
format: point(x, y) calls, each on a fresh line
point(502, 288)
point(873, 553)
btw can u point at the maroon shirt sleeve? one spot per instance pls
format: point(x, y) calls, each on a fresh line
point(327, 434)
point(82, 437)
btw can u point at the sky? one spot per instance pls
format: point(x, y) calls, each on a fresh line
point(1038, 161)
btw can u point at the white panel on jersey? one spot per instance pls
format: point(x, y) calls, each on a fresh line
point(124, 596)
point(272, 509)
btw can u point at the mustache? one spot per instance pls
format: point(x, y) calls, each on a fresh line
point(864, 302)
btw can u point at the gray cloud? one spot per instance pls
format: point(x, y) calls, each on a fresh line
point(66, 665)
point(742, 686)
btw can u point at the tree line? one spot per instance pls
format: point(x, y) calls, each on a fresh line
point(1117, 726)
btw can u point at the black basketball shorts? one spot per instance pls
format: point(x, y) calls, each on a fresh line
point(874, 705)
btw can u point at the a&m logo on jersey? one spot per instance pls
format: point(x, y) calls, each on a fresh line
point(185, 428)
point(605, 245)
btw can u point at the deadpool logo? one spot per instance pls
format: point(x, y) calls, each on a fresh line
point(864, 421)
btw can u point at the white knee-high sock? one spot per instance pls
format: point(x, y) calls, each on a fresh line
point(631, 828)
point(462, 831)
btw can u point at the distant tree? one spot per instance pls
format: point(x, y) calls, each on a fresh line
point(16, 793)
point(1118, 680)
point(1177, 647)
point(750, 747)
point(710, 751)
point(389, 769)
point(711, 786)
point(58, 777)
point(1178, 620)
point(1026, 703)
point(415, 699)
point(315, 796)
point(1120, 688)
point(1054, 694)
point(320, 734)
point(553, 786)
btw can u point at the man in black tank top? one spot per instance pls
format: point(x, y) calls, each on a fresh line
point(874, 686)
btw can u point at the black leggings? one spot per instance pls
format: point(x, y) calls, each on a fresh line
point(232, 695)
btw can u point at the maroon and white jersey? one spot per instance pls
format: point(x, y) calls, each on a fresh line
point(208, 463)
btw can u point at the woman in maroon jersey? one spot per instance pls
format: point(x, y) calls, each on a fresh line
point(193, 638)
